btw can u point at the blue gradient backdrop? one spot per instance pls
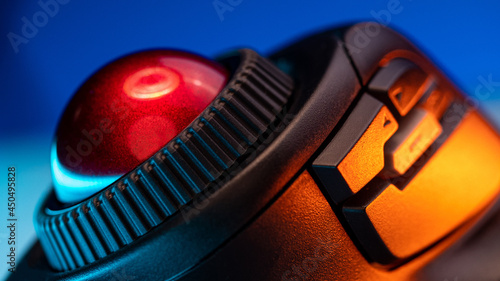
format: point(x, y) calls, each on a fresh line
point(38, 80)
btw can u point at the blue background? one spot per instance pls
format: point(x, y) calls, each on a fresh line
point(37, 81)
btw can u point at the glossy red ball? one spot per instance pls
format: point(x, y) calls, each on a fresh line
point(128, 110)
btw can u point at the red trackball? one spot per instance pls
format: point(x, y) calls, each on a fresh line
point(125, 113)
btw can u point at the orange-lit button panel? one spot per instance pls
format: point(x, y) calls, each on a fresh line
point(458, 181)
point(401, 84)
point(409, 165)
point(418, 131)
point(356, 154)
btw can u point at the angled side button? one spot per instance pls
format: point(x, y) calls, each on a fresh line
point(436, 100)
point(356, 153)
point(400, 83)
point(418, 131)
